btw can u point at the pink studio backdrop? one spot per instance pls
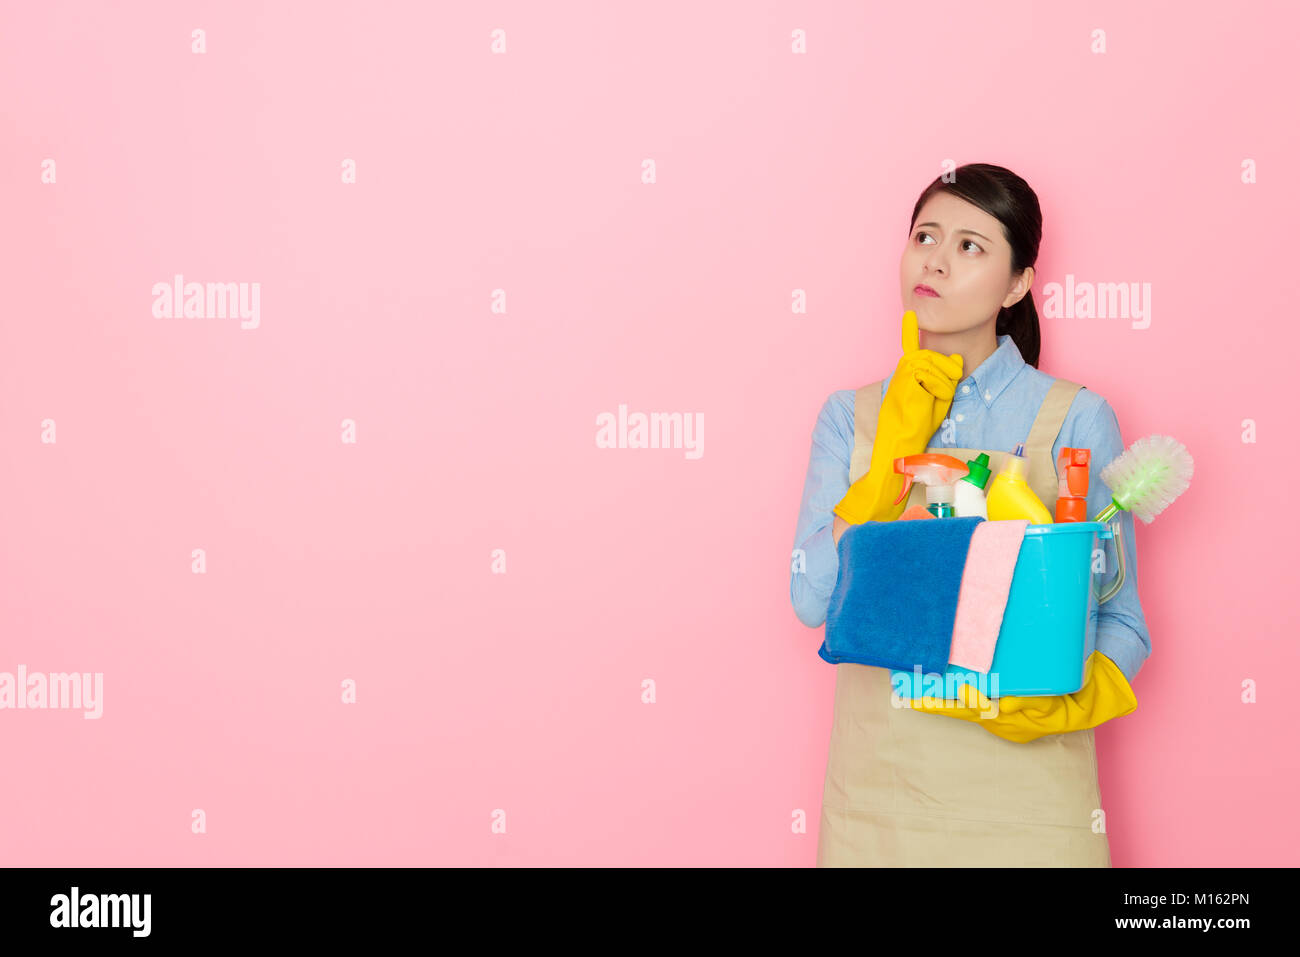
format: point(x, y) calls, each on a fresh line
point(479, 692)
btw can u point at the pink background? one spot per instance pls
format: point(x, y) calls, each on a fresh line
point(479, 171)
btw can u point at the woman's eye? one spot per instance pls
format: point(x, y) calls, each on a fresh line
point(964, 241)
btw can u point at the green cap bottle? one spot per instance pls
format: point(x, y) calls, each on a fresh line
point(979, 470)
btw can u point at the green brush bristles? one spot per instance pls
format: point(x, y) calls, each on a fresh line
point(1147, 477)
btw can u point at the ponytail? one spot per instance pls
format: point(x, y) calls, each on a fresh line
point(1020, 322)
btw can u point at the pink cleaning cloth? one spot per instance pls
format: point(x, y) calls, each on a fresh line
point(985, 585)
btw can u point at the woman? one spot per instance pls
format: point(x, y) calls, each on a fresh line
point(908, 787)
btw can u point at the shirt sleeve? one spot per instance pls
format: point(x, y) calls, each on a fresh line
point(1122, 634)
point(815, 561)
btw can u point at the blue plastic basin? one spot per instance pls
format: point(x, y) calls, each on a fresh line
point(1049, 628)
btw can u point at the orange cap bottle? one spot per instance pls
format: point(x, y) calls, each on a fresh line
point(1072, 498)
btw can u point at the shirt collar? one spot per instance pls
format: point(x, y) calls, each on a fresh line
point(994, 373)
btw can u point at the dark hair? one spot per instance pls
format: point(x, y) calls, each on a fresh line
point(1008, 199)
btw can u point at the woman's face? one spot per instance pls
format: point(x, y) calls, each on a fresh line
point(971, 273)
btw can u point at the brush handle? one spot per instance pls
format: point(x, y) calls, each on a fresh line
point(1108, 512)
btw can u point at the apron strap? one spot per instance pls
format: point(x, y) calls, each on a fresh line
point(866, 410)
point(1050, 418)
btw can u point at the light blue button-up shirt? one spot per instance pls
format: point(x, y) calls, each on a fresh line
point(993, 409)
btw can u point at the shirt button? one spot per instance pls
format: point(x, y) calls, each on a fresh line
point(960, 416)
point(988, 395)
point(965, 388)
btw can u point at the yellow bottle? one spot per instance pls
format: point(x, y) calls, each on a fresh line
point(1010, 496)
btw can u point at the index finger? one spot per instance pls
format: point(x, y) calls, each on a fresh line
point(911, 338)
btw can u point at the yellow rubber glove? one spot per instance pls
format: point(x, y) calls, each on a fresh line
point(915, 405)
point(1106, 694)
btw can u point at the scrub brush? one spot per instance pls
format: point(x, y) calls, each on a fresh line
point(1147, 477)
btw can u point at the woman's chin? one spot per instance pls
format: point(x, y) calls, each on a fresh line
point(927, 319)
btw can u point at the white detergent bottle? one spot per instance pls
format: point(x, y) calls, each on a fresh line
point(968, 492)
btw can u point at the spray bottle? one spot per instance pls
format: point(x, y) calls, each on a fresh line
point(1072, 496)
point(937, 471)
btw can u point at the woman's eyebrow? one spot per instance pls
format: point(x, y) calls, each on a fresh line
point(971, 231)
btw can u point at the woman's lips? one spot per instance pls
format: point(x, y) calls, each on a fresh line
point(925, 291)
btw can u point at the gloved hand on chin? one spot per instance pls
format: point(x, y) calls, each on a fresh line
point(911, 411)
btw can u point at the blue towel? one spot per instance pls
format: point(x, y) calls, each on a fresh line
point(895, 599)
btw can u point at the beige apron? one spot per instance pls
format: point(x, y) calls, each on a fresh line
point(909, 789)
